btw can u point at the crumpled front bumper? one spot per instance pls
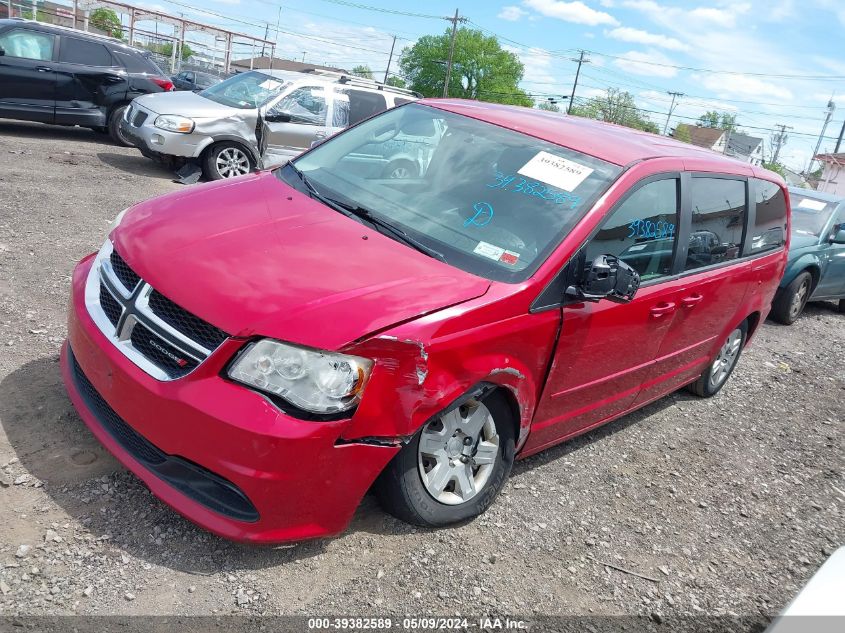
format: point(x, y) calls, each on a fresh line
point(212, 449)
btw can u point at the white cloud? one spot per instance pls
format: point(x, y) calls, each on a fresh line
point(637, 36)
point(725, 18)
point(539, 66)
point(726, 86)
point(575, 11)
point(642, 63)
point(511, 13)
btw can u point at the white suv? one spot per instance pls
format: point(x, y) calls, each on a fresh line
point(257, 118)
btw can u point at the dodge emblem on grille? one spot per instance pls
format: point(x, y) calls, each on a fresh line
point(179, 361)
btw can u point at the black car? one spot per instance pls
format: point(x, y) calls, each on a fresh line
point(57, 75)
point(193, 80)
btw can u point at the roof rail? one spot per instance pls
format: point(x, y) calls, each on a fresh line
point(346, 78)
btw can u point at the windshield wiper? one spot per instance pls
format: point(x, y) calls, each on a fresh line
point(353, 210)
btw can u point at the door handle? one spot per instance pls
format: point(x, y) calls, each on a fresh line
point(43, 69)
point(320, 134)
point(665, 307)
point(692, 300)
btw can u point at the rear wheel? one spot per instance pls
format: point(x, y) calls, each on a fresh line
point(842, 306)
point(721, 368)
point(790, 303)
point(115, 132)
point(226, 160)
point(454, 467)
point(401, 169)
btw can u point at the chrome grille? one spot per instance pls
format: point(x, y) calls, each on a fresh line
point(162, 338)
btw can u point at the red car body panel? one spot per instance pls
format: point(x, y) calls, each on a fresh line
point(255, 258)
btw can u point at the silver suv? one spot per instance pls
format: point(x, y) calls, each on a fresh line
point(260, 118)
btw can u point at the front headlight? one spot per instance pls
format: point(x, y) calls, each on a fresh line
point(316, 381)
point(174, 123)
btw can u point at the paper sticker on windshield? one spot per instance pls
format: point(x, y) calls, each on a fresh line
point(555, 171)
point(496, 253)
point(270, 84)
point(809, 203)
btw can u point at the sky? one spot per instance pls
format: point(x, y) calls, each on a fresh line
point(769, 62)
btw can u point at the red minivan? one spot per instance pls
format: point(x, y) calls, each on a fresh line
point(263, 351)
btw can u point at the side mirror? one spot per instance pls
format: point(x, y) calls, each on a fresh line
point(839, 236)
point(277, 117)
point(608, 277)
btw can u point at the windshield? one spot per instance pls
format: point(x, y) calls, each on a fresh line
point(246, 90)
point(492, 201)
point(810, 215)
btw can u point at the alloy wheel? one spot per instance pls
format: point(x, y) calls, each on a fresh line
point(400, 172)
point(722, 366)
point(232, 162)
point(458, 453)
point(799, 299)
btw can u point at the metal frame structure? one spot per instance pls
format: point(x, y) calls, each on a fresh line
point(181, 27)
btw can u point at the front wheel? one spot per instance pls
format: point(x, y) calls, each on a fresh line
point(454, 467)
point(226, 160)
point(721, 368)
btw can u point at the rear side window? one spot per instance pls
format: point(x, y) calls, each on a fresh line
point(77, 51)
point(718, 221)
point(27, 44)
point(363, 104)
point(641, 231)
point(400, 101)
point(137, 63)
point(769, 229)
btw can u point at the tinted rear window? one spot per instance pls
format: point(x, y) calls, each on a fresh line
point(85, 52)
point(137, 62)
point(769, 229)
point(363, 105)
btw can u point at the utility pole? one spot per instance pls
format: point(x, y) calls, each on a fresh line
point(75, 11)
point(266, 34)
point(780, 140)
point(390, 59)
point(454, 22)
point(276, 41)
point(671, 108)
point(580, 61)
point(831, 108)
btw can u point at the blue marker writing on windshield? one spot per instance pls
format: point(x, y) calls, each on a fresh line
point(483, 214)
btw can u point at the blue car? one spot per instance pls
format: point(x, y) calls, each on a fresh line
point(816, 268)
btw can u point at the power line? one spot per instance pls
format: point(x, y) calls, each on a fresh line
point(366, 7)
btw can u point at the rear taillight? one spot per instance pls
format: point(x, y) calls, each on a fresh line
point(164, 84)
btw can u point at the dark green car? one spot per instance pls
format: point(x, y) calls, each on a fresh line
point(816, 268)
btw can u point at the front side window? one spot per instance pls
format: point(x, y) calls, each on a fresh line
point(770, 223)
point(306, 105)
point(77, 51)
point(642, 230)
point(27, 44)
point(492, 201)
point(810, 215)
point(246, 90)
point(718, 221)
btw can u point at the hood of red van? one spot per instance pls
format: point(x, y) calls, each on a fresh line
point(253, 256)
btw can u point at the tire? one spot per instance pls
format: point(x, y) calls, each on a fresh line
point(400, 169)
point(115, 132)
point(721, 368)
point(842, 306)
point(402, 490)
point(790, 303)
point(226, 160)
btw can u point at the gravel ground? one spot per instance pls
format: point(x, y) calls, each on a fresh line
point(724, 506)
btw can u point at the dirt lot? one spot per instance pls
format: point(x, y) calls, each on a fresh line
point(727, 506)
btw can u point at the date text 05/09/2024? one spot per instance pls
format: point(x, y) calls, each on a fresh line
point(487, 623)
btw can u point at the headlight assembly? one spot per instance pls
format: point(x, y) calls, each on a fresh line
point(174, 123)
point(312, 380)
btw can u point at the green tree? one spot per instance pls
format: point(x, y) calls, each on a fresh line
point(362, 71)
point(723, 120)
point(396, 82)
point(776, 167)
point(615, 106)
point(107, 21)
point(682, 134)
point(166, 49)
point(481, 69)
point(548, 106)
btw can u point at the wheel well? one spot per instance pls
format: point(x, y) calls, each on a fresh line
point(115, 106)
point(243, 146)
point(513, 407)
point(815, 273)
point(753, 320)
